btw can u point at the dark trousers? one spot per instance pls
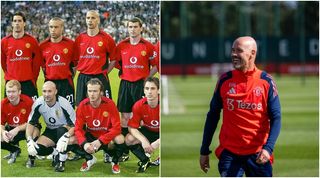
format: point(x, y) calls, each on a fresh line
point(232, 165)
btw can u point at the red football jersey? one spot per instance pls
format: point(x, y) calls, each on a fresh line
point(143, 112)
point(102, 122)
point(16, 115)
point(157, 47)
point(136, 59)
point(20, 58)
point(93, 52)
point(57, 58)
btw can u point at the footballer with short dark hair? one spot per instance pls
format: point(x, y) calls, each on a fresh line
point(58, 55)
point(20, 56)
point(93, 49)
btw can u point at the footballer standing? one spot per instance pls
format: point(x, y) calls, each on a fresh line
point(135, 56)
point(93, 49)
point(57, 52)
point(20, 57)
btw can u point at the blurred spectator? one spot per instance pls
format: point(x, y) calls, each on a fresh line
point(114, 16)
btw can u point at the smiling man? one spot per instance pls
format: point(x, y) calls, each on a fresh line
point(251, 117)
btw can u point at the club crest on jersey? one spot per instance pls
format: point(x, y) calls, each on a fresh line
point(257, 91)
point(23, 111)
point(58, 113)
point(105, 114)
point(143, 53)
point(96, 123)
point(65, 50)
point(16, 119)
point(100, 43)
point(28, 45)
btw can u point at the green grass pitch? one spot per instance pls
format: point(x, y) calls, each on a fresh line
point(297, 148)
point(100, 169)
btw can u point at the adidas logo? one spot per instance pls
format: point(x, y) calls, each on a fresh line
point(232, 91)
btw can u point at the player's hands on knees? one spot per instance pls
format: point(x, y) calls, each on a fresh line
point(204, 163)
point(5, 136)
point(32, 146)
point(89, 148)
point(13, 133)
point(147, 147)
point(96, 145)
point(263, 157)
point(63, 142)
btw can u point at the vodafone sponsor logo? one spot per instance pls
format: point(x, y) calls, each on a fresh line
point(16, 119)
point(133, 60)
point(96, 123)
point(19, 52)
point(56, 57)
point(19, 57)
point(154, 123)
point(90, 50)
point(239, 104)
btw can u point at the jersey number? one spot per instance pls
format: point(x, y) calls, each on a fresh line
point(70, 98)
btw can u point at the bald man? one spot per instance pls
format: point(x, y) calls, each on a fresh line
point(58, 55)
point(251, 117)
point(93, 49)
point(59, 118)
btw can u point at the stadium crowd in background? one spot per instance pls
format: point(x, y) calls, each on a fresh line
point(113, 17)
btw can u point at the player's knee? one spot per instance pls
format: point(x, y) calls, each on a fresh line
point(119, 139)
point(130, 140)
point(73, 140)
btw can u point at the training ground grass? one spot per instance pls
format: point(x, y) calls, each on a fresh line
point(296, 150)
point(72, 169)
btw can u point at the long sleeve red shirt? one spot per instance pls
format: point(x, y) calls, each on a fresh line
point(102, 122)
point(20, 58)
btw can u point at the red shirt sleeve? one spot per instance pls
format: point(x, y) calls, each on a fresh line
point(3, 113)
point(115, 128)
point(37, 60)
point(152, 54)
point(78, 130)
point(3, 55)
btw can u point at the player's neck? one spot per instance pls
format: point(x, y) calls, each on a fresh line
point(95, 104)
point(51, 103)
point(18, 35)
point(16, 102)
point(92, 32)
point(56, 40)
point(135, 40)
point(153, 103)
